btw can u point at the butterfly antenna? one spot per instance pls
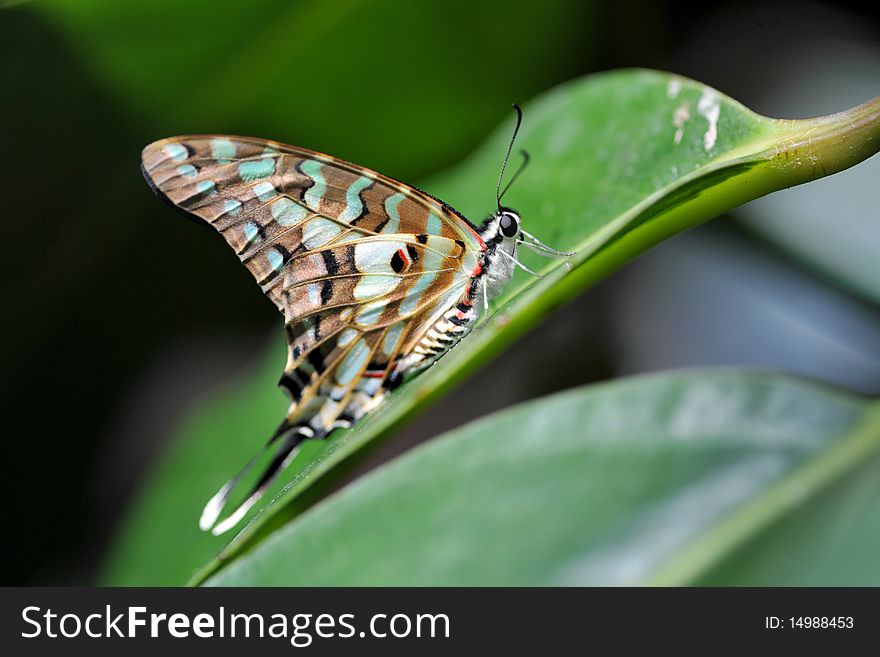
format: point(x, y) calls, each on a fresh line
point(526, 159)
point(498, 192)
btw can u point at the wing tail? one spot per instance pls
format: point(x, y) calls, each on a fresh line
point(293, 436)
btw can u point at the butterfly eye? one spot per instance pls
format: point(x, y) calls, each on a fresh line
point(509, 225)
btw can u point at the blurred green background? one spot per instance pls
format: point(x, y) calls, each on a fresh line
point(119, 315)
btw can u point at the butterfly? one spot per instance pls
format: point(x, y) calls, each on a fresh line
point(376, 279)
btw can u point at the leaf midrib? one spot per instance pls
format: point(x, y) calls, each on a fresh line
point(805, 482)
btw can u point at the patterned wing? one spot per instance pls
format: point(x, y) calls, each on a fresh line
point(359, 264)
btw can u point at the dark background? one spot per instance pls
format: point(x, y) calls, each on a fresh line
point(118, 315)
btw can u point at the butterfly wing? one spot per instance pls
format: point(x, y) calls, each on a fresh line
point(359, 264)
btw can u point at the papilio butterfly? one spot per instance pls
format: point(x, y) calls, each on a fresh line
point(375, 278)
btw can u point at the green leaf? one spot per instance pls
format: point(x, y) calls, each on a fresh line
point(831, 227)
point(648, 480)
point(833, 540)
point(610, 177)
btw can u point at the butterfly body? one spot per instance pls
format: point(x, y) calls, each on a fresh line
point(375, 279)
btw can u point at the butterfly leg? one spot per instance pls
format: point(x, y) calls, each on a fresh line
point(538, 246)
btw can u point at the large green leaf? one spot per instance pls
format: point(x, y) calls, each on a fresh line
point(833, 540)
point(641, 481)
point(621, 161)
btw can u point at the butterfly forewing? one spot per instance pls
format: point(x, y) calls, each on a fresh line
point(252, 184)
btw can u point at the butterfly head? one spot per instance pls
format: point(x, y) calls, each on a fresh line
point(501, 230)
point(501, 226)
point(501, 234)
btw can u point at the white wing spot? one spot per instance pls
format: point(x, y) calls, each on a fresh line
point(314, 294)
point(375, 285)
point(374, 257)
point(319, 231)
point(353, 362)
point(346, 336)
